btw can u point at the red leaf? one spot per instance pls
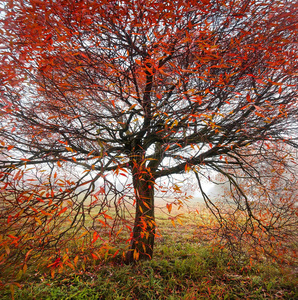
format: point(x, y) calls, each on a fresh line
point(95, 237)
point(62, 211)
point(115, 253)
point(12, 236)
point(94, 256)
point(55, 263)
point(169, 207)
point(260, 81)
point(259, 114)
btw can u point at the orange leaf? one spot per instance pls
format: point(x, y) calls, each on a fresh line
point(52, 117)
point(11, 287)
point(27, 254)
point(90, 153)
point(62, 211)
point(70, 265)
point(173, 222)
point(12, 236)
point(45, 213)
point(167, 147)
point(52, 272)
point(115, 253)
point(136, 254)
point(169, 207)
point(95, 237)
point(108, 217)
point(259, 114)
point(102, 222)
point(76, 260)
point(94, 256)
point(128, 227)
point(179, 221)
point(7, 249)
point(146, 204)
point(133, 106)
point(25, 268)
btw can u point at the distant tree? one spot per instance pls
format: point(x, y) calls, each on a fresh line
point(146, 89)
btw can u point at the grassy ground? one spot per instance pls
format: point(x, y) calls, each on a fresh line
point(184, 267)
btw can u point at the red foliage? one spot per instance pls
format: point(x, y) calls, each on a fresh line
point(138, 90)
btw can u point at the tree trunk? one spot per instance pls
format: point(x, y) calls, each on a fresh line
point(142, 240)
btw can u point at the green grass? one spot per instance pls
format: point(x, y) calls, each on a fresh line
point(183, 267)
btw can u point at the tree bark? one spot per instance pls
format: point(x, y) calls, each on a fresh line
point(142, 240)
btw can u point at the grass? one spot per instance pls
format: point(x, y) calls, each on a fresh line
point(184, 267)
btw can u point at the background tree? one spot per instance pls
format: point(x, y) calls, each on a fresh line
point(146, 89)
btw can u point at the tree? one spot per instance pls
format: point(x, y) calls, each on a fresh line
point(146, 89)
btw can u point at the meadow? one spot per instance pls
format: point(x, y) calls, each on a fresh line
point(186, 265)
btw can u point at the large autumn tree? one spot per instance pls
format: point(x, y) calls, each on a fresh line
point(146, 89)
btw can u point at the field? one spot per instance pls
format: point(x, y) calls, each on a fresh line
point(186, 265)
